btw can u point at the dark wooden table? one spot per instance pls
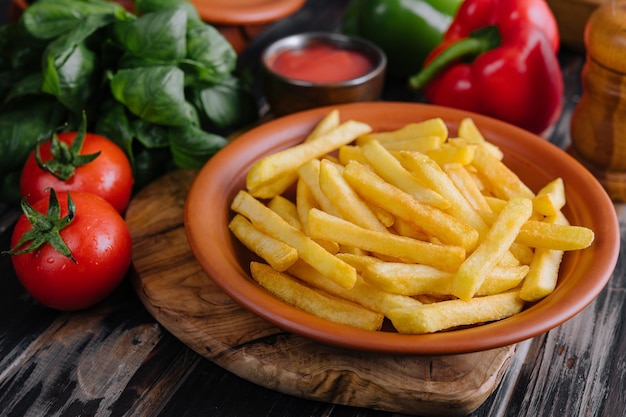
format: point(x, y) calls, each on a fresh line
point(115, 360)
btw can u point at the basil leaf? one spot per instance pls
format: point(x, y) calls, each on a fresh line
point(70, 76)
point(19, 49)
point(49, 19)
point(70, 67)
point(191, 146)
point(226, 104)
point(156, 94)
point(149, 165)
point(150, 135)
point(21, 123)
point(208, 47)
point(146, 6)
point(27, 84)
point(113, 123)
point(157, 35)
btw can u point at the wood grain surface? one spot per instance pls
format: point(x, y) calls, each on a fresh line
point(181, 297)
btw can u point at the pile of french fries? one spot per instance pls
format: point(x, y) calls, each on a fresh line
point(430, 231)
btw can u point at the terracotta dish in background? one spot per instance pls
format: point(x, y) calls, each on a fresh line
point(583, 273)
point(241, 20)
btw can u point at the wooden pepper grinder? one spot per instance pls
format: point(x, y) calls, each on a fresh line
point(598, 127)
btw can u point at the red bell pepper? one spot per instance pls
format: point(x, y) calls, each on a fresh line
point(498, 58)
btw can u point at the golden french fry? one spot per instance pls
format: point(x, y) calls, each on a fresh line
point(495, 244)
point(347, 153)
point(328, 227)
point(288, 160)
point(286, 209)
point(362, 293)
point(308, 250)
point(551, 198)
point(310, 174)
point(469, 130)
point(408, 229)
point(429, 127)
point(305, 201)
point(408, 279)
point(348, 204)
point(431, 174)
point(503, 278)
point(523, 253)
point(543, 274)
point(282, 183)
point(274, 187)
point(448, 154)
point(324, 126)
point(390, 169)
point(314, 301)
point(544, 234)
point(504, 183)
point(416, 279)
point(429, 318)
point(359, 261)
point(419, 144)
point(275, 252)
point(467, 186)
point(496, 204)
point(446, 228)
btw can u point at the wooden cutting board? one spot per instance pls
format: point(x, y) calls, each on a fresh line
point(184, 300)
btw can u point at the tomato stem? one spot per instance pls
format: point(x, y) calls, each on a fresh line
point(45, 227)
point(65, 159)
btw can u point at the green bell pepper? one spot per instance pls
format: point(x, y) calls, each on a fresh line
point(406, 30)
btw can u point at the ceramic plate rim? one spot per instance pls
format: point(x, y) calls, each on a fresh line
point(209, 244)
point(250, 13)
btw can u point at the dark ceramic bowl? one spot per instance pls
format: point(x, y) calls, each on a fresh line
point(286, 94)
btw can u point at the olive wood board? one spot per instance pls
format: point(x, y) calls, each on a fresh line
point(185, 301)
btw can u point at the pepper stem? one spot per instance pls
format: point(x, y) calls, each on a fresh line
point(478, 42)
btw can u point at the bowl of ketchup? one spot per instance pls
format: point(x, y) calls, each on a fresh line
point(317, 69)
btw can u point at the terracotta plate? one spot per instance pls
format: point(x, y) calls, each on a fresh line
point(245, 12)
point(583, 273)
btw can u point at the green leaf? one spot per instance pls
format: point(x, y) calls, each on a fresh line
point(146, 6)
point(206, 46)
point(19, 49)
point(113, 123)
point(70, 77)
point(157, 36)
point(227, 104)
point(150, 164)
point(151, 135)
point(156, 94)
point(192, 147)
point(47, 19)
point(26, 84)
point(22, 123)
point(70, 68)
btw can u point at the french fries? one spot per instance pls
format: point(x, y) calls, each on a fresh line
point(430, 231)
point(313, 301)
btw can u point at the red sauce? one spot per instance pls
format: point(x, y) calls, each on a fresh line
point(321, 63)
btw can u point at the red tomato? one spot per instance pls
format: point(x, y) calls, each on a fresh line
point(99, 241)
point(109, 175)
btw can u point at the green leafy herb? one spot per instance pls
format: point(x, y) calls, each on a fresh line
point(161, 83)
